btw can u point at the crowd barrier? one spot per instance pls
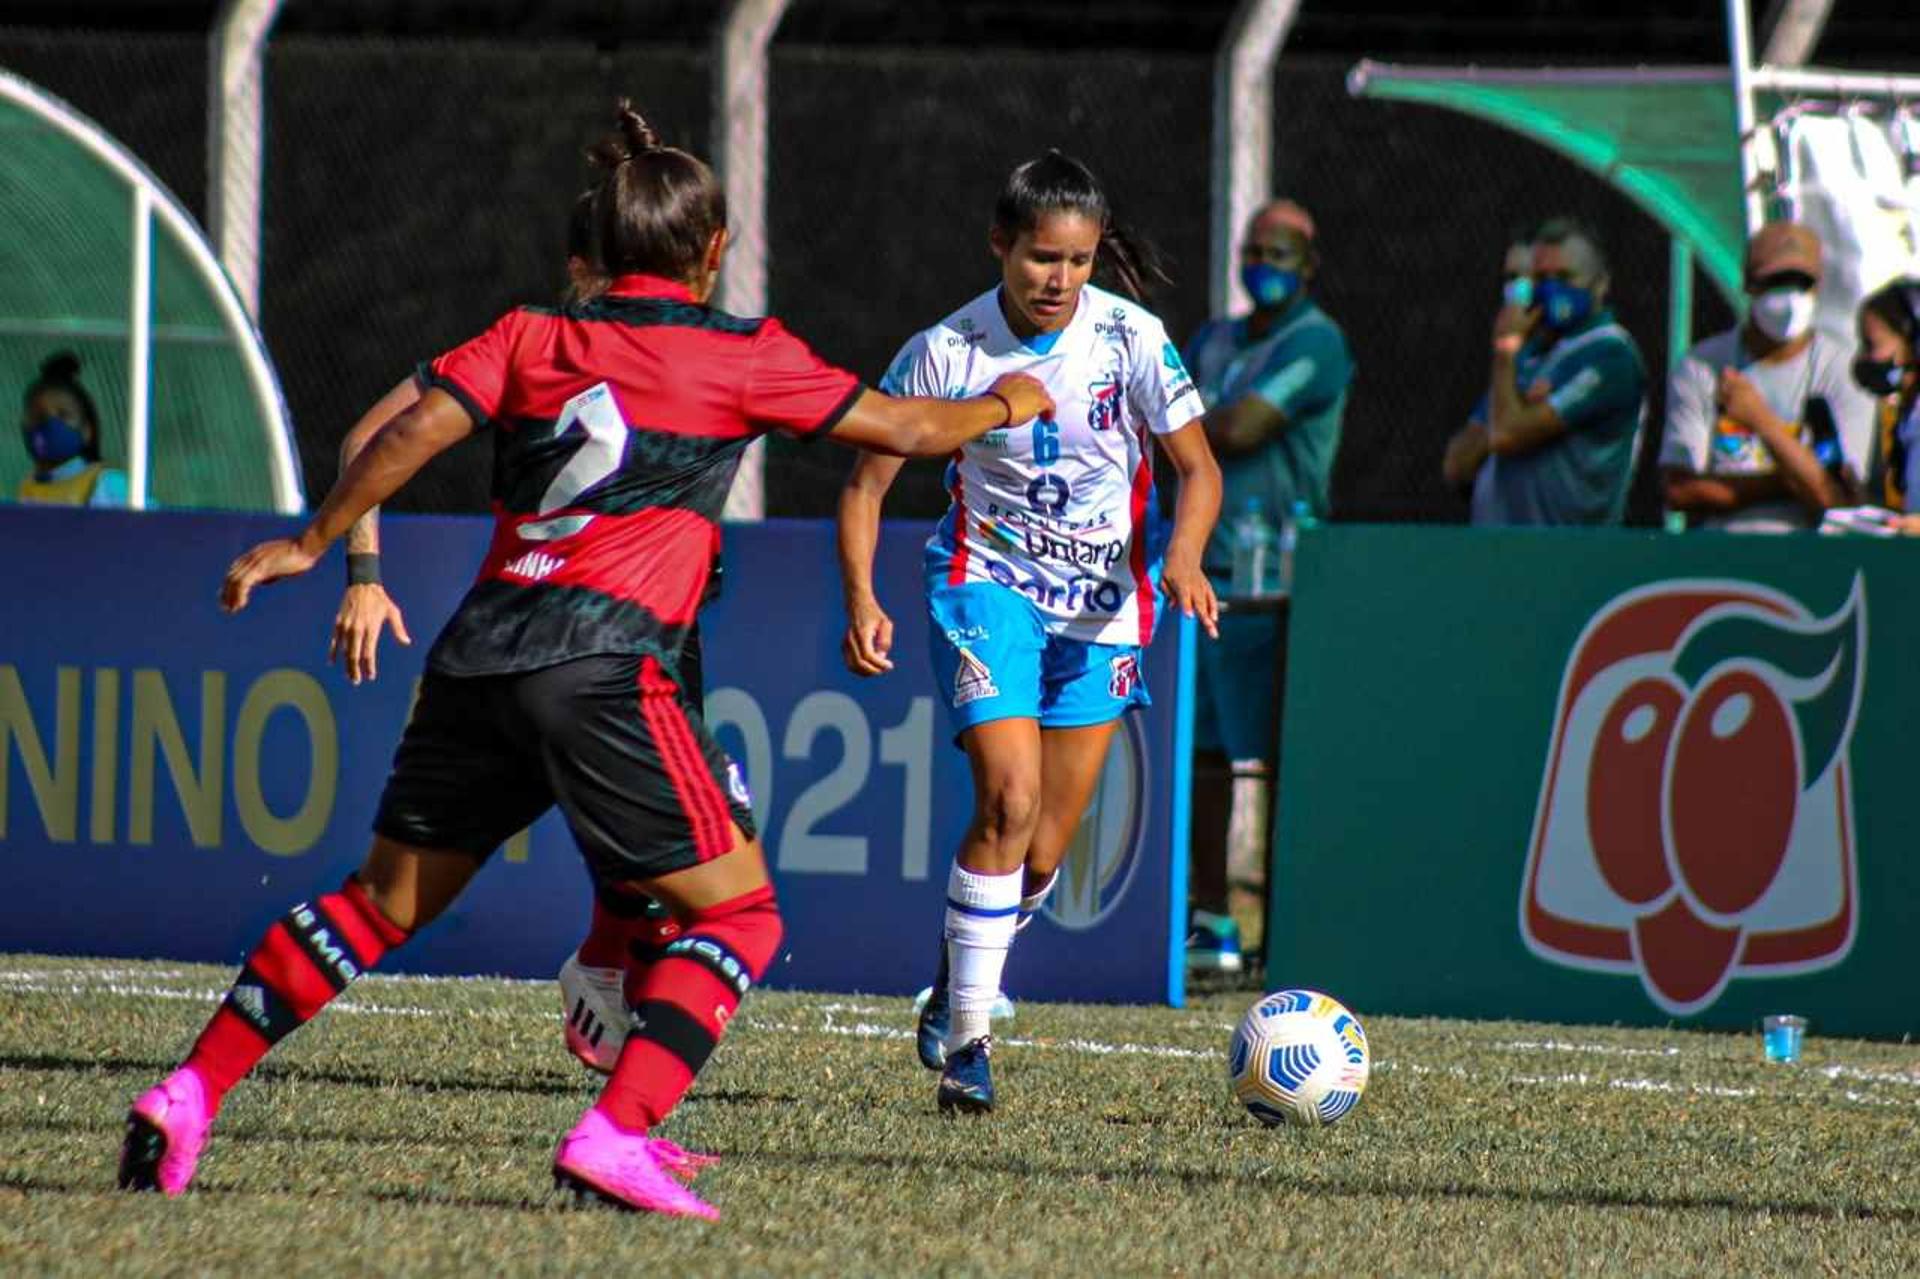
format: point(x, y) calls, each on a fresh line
point(172, 779)
point(1602, 776)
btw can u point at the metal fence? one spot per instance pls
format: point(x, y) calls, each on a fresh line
point(416, 188)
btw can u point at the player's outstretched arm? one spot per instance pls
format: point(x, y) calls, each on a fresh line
point(921, 426)
point(869, 636)
point(365, 607)
point(397, 452)
point(1194, 514)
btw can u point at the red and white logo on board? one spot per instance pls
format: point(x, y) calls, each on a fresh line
point(1695, 822)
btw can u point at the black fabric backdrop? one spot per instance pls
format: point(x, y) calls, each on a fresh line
point(416, 188)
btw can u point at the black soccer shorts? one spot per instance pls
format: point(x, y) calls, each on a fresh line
point(611, 739)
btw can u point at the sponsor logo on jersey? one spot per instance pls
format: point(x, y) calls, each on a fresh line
point(1107, 847)
point(1115, 327)
point(1695, 824)
point(533, 566)
point(1173, 371)
point(1080, 595)
point(1057, 548)
point(967, 335)
point(1049, 494)
point(1123, 676)
point(972, 680)
point(957, 635)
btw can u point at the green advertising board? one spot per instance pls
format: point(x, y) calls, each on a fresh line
point(1602, 776)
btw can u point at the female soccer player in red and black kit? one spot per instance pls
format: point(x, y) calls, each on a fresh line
point(618, 425)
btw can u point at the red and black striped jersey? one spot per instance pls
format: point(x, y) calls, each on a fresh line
point(618, 424)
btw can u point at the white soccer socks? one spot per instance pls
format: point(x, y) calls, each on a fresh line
point(981, 913)
point(1030, 904)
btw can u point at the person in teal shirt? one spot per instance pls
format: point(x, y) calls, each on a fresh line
point(1275, 382)
point(1566, 401)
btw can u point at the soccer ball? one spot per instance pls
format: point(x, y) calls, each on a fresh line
point(1298, 1057)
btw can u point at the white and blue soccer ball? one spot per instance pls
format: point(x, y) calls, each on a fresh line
point(1298, 1057)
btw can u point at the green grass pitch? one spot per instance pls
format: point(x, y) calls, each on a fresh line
point(410, 1131)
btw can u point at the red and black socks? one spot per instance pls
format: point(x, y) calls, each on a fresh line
point(628, 930)
point(306, 958)
point(682, 1002)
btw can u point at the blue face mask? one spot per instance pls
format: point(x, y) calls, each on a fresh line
point(54, 440)
point(1268, 285)
point(1562, 305)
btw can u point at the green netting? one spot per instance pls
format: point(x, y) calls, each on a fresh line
point(66, 271)
point(1667, 141)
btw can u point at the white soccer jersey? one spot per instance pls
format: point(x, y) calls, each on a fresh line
point(1062, 509)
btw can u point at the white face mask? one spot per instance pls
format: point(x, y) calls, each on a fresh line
point(1783, 314)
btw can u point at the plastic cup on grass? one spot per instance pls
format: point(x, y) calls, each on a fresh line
point(1780, 1036)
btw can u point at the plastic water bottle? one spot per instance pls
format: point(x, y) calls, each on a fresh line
point(1256, 554)
point(1301, 517)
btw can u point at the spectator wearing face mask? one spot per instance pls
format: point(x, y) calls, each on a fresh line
point(1887, 369)
point(1566, 396)
point(1275, 380)
point(1466, 456)
point(1765, 426)
point(61, 430)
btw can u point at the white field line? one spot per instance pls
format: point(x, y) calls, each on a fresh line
point(1598, 1050)
point(108, 981)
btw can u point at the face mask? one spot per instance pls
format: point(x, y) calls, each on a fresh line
point(1562, 305)
point(1782, 314)
point(1878, 377)
point(53, 440)
point(1518, 292)
point(1268, 285)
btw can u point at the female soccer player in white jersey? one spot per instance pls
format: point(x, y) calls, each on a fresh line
point(1047, 575)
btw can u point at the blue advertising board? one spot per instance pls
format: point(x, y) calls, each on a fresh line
point(172, 779)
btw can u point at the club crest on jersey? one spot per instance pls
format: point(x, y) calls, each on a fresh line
point(1123, 676)
point(737, 786)
point(1695, 823)
point(1103, 404)
point(972, 680)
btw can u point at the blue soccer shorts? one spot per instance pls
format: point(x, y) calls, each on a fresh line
point(993, 658)
point(1236, 708)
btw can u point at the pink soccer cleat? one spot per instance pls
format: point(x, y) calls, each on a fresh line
point(603, 1161)
point(166, 1130)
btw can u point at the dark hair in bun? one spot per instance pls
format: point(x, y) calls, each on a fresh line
point(61, 372)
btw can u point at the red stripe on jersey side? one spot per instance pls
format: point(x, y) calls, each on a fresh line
point(700, 798)
point(957, 570)
point(658, 558)
point(1142, 582)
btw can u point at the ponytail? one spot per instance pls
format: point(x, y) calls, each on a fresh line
point(1130, 263)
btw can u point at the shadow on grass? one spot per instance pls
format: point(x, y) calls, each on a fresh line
point(1389, 1188)
point(29, 1183)
point(57, 1063)
point(573, 1083)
